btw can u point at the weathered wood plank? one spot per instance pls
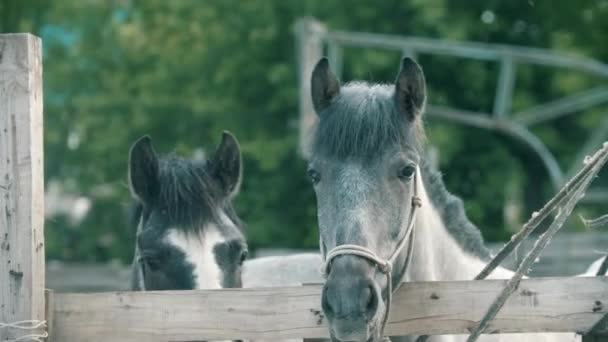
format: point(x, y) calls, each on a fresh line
point(21, 182)
point(540, 305)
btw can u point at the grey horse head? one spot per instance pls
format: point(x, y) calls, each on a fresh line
point(188, 235)
point(365, 155)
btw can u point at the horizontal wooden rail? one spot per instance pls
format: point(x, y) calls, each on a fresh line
point(539, 305)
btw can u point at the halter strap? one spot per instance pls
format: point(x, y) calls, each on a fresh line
point(385, 266)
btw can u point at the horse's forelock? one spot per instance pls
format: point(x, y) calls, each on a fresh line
point(363, 121)
point(189, 193)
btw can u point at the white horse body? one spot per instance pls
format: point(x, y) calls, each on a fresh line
point(593, 268)
point(289, 270)
point(437, 256)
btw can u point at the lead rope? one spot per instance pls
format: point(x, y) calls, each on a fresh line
point(385, 266)
point(27, 325)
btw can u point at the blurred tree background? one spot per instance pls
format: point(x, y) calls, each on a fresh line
point(183, 71)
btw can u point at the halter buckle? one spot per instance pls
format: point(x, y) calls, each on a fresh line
point(386, 267)
point(416, 201)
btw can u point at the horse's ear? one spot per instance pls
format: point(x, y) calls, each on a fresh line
point(144, 170)
point(324, 86)
point(410, 89)
point(227, 164)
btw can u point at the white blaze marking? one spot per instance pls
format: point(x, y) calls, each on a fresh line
point(198, 248)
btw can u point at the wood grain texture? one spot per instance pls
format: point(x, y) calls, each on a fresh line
point(21, 182)
point(539, 305)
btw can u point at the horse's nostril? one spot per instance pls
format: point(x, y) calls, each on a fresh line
point(371, 302)
point(325, 304)
point(365, 298)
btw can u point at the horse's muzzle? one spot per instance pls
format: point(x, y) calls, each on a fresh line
point(350, 299)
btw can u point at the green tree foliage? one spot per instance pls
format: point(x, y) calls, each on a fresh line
point(183, 71)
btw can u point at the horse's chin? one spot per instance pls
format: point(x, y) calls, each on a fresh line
point(374, 335)
point(374, 338)
point(373, 327)
point(371, 339)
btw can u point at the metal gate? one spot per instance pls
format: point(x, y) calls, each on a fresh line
point(315, 41)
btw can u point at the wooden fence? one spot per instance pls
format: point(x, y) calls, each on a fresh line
point(539, 305)
point(542, 304)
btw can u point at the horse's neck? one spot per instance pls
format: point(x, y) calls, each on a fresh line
point(437, 255)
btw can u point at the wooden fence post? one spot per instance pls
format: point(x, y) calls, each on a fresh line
point(309, 34)
point(21, 184)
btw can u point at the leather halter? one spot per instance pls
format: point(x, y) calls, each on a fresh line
point(385, 266)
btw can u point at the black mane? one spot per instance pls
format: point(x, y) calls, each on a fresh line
point(189, 194)
point(452, 212)
point(363, 120)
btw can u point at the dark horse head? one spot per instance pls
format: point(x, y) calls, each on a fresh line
point(365, 156)
point(188, 236)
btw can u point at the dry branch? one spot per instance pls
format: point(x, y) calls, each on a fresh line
point(540, 216)
point(595, 163)
point(566, 199)
point(595, 223)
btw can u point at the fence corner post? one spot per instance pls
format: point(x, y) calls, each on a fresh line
point(21, 184)
point(309, 49)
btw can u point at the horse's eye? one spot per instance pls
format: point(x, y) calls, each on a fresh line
point(154, 260)
point(153, 263)
point(243, 257)
point(314, 176)
point(407, 172)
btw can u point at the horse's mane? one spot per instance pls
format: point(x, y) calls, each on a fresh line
point(363, 120)
point(452, 212)
point(189, 195)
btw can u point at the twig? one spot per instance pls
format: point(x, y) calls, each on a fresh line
point(540, 216)
point(594, 223)
point(540, 244)
point(523, 268)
